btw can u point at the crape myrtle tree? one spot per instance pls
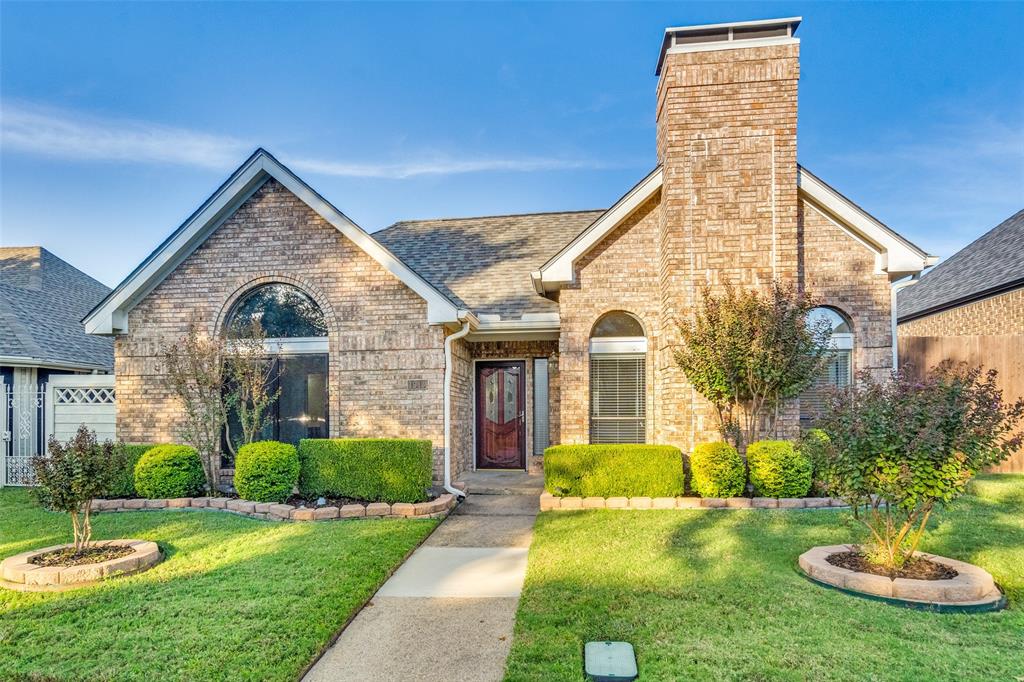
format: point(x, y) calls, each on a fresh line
point(900, 448)
point(748, 351)
point(72, 474)
point(212, 376)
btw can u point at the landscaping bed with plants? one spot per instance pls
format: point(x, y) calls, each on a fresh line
point(246, 599)
point(708, 595)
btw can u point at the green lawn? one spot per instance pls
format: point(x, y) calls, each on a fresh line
point(715, 595)
point(235, 598)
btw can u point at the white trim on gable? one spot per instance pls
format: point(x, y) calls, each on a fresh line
point(894, 255)
point(899, 257)
point(111, 315)
point(559, 270)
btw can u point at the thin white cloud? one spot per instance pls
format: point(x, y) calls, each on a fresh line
point(54, 133)
point(49, 132)
point(946, 185)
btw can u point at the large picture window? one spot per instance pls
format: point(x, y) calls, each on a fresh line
point(296, 352)
point(838, 371)
point(618, 380)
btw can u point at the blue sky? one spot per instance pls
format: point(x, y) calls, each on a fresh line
point(119, 119)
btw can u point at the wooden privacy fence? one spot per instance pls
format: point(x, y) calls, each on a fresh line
point(1002, 353)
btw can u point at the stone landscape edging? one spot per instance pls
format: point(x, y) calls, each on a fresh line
point(549, 502)
point(434, 509)
point(973, 586)
point(18, 573)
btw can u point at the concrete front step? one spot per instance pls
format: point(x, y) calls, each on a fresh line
point(503, 483)
point(499, 505)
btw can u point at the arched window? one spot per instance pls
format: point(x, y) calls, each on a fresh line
point(295, 331)
point(282, 310)
point(838, 371)
point(618, 380)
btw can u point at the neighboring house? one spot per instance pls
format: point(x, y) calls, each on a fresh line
point(971, 309)
point(553, 327)
point(42, 302)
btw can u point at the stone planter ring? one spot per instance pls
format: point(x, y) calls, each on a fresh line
point(19, 573)
point(971, 590)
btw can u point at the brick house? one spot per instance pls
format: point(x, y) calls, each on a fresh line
point(496, 336)
point(970, 309)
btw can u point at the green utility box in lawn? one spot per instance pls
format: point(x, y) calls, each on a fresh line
point(609, 661)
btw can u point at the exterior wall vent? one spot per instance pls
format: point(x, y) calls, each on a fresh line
point(727, 36)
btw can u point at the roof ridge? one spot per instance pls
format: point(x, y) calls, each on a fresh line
point(482, 217)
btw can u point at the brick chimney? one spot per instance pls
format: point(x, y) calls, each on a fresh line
point(726, 137)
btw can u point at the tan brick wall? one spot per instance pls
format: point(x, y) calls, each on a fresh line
point(840, 271)
point(379, 339)
point(726, 136)
point(620, 273)
point(996, 315)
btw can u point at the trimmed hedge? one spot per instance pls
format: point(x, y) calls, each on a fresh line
point(614, 470)
point(777, 469)
point(717, 470)
point(169, 471)
point(128, 455)
point(371, 469)
point(266, 471)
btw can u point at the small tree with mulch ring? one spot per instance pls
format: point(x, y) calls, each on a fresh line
point(898, 449)
point(72, 475)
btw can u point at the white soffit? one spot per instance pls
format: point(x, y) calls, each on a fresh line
point(111, 315)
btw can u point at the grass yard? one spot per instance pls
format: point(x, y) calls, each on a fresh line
point(715, 595)
point(235, 598)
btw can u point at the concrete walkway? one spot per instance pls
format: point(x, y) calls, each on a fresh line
point(448, 611)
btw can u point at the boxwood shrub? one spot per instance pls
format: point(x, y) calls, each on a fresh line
point(169, 471)
point(614, 470)
point(266, 471)
point(814, 445)
point(777, 469)
point(127, 455)
point(372, 469)
point(717, 470)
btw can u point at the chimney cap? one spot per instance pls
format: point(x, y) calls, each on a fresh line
point(729, 35)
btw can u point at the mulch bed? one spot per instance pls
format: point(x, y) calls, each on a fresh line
point(89, 555)
point(915, 569)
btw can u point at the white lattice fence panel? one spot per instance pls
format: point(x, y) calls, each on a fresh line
point(82, 399)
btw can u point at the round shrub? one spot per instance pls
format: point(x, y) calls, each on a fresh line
point(266, 471)
point(778, 470)
point(169, 471)
point(717, 470)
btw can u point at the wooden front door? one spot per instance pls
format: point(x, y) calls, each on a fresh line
point(501, 415)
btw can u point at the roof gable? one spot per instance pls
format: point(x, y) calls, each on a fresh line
point(42, 300)
point(111, 315)
point(895, 255)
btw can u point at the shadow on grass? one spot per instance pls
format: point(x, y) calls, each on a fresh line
point(716, 595)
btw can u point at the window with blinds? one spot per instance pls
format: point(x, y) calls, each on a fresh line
point(837, 373)
point(618, 403)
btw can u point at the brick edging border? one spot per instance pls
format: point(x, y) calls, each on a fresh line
point(17, 572)
point(549, 502)
point(437, 508)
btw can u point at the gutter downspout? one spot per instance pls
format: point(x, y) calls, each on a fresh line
point(466, 326)
point(893, 290)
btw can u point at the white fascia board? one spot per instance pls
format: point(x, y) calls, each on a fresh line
point(795, 21)
point(899, 256)
point(111, 316)
point(559, 270)
point(530, 327)
point(732, 45)
point(24, 361)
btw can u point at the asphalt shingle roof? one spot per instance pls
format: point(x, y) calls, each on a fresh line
point(993, 262)
point(484, 264)
point(42, 302)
